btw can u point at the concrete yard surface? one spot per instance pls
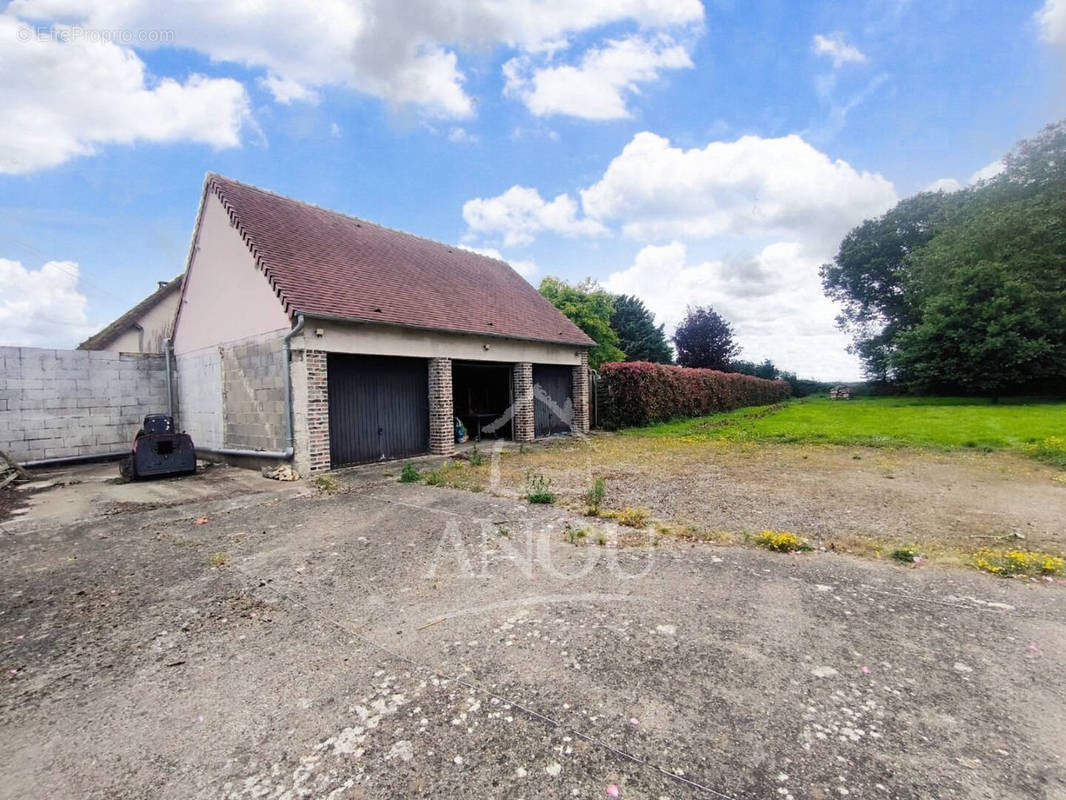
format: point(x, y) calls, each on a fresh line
point(393, 640)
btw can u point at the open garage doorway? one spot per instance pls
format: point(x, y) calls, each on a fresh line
point(482, 395)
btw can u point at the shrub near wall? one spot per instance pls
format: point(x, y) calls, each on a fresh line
point(639, 392)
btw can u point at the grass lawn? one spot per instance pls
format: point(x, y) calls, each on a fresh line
point(943, 479)
point(1038, 429)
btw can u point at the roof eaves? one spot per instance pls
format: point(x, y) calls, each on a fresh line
point(438, 329)
point(115, 329)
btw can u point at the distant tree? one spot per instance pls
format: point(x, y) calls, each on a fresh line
point(638, 335)
point(590, 308)
point(767, 369)
point(704, 339)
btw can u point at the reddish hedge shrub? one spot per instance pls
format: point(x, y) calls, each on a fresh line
point(637, 393)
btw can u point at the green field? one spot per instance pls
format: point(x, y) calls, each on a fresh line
point(1037, 429)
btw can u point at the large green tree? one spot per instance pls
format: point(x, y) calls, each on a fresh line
point(868, 274)
point(589, 307)
point(965, 291)
point(638, 335)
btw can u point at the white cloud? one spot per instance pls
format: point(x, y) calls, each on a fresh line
point(773, 300)
point(1052, 21)
point(286, 91)
point(41, 308)
point(943, 185)
point(404, 53)
point(988, 171)
point(767, 189)
point(462, 136)
point(64, 99)
point(835, 47)
point(520, 213)
point(525, 268)
point(597, 88)
point(777, 207)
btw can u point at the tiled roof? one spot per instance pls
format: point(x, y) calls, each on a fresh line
point(323, 263)
point(98, 341)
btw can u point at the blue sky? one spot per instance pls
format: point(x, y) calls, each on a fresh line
point(688, 152)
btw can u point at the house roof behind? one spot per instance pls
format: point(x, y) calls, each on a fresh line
point(323, 263)
point(102, 339)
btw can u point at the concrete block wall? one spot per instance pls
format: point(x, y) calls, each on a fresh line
point(233, 395)
point(68, 403)
point(253, 395)
point(198, 390)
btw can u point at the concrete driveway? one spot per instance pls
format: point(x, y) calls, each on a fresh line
point(404, 641)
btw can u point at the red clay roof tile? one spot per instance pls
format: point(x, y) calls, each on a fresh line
point(324, 263)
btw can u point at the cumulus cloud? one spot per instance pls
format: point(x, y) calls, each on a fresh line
point(986, 172)
point(1052, 20)
point(66, 98)
point(404, 53)
point(836, 47)
point(773, 299)
point(520, 213)
point(598, 86)
point(943, 185)
point(43, 307)
point(525, 268)
point(780, 188)
point(771, 210)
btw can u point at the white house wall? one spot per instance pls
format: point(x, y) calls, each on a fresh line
point(226, 296)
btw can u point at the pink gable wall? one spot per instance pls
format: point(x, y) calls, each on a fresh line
point(226, 296)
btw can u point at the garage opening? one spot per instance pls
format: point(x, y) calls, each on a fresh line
point(553, 393)
point(481, 397)
point(378, 408)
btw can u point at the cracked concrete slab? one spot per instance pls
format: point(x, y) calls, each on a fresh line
point(404, 641)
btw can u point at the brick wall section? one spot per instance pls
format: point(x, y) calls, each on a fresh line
point(66, 403)
point(253, 395)
point(523, 402)
point(317, 410)
point(581, 395)
point(441, 413)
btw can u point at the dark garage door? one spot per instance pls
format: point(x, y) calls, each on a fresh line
point(556, 383)
point(378, 408)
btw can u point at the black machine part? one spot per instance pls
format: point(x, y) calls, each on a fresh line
point(158, 450)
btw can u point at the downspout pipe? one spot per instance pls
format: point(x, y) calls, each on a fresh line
point(287, 453)
point(168, 353)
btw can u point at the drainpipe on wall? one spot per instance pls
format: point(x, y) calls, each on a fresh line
point(168, 351)
point(286, 347)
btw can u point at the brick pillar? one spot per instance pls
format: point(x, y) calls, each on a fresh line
point(317, 410)
point(581, 395)
point(441, 414)
point(522, 421)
